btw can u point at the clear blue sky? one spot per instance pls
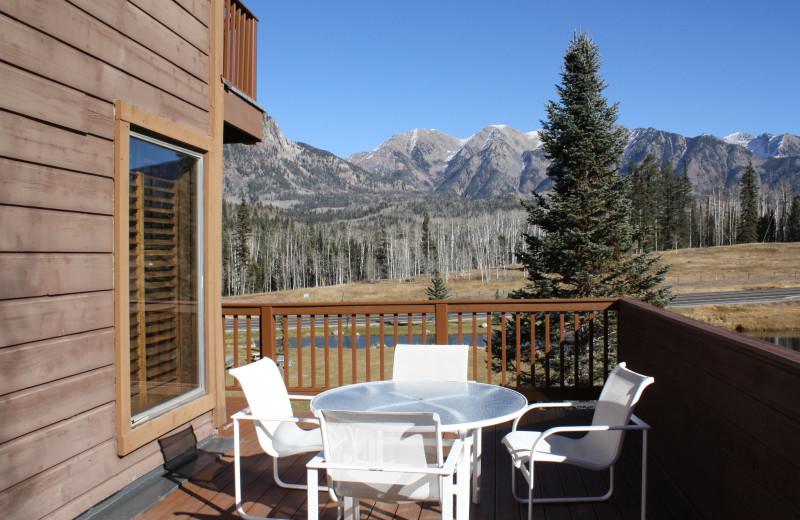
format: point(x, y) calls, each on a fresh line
point(346, 75)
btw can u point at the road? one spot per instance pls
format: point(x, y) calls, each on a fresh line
point(682, 300)
point(736, 297)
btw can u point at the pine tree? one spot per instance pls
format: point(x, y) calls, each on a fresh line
point(793, 221)
point(428, 245)
point(437, 290)
point(686, 210)
point(587, 248)
point(748, 224)
point(645, 197)
point(241, 247)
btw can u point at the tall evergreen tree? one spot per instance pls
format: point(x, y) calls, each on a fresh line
point(241, 247)
point(748, 223)
point(587, 248)
point(428, 245)
point(645, 197)
point(686, 209)
point(793, 221)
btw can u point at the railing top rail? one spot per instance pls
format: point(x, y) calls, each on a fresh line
point(430, 305)
point(240, 5)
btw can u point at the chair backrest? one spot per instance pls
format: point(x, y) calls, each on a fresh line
point(266, 395)
point(621, 392)
point(380, 440)
point(430, 362)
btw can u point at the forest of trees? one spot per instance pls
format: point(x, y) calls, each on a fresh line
point(666, 214)
point(264, 250)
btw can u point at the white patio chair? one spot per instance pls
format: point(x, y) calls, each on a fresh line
point(276, 426)
point(439, 363)
point(430, 362)
point(598, 449)
point(387, 457)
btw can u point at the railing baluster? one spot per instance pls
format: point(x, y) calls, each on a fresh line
point(561, 347)
point(503, 346)
point(299, 335)
point(368, 320)
point(327, 332)
point(591, 349)
point(475, 346)
point(236, 341)
point(341, 351)
point(382, 344)
point(533, 349)
point(576, 341)
point(547, 350)
point(313, 349)
point(353, 349)
point(489, 367)
point(286, 359)
point(518, 335)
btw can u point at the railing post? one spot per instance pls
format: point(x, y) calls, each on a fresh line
point(268, 333)
point(441, 324)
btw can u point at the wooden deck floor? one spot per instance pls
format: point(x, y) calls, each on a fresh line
point(210, 494)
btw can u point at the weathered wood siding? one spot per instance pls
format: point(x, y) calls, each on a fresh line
point(724, 410)
point(64, 65)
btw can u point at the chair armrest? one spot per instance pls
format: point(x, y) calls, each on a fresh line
point(565, 404)
point(301, 397)
point(640, 425)
point(246, 416)
point(448, 468)
point(451, 461)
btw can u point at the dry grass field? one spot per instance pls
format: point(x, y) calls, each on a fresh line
point(725, 268)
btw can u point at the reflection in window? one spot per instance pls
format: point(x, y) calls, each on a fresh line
point(166, 303)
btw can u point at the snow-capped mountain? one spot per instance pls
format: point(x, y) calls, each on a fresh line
point(500, 159)
point(766, 145)
point(496, 160)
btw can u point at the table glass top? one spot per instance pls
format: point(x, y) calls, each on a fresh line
point(459, 404)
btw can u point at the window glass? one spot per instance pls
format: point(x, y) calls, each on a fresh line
point(165, 272)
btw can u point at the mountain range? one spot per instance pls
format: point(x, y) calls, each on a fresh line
point(497, 161)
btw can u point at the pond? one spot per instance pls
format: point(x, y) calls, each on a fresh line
point(789, 340)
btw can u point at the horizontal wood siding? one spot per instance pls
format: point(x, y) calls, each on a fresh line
point(65, 64)
point(724, 411)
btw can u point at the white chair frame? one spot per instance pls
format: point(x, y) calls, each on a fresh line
point(348, 508)
point(528, 472)
point(270, 370)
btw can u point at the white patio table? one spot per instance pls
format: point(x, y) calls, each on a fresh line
point(462, 406)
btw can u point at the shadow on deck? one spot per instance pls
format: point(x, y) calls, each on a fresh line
point(209, 495)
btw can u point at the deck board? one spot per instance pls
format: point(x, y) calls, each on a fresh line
point(210, 494)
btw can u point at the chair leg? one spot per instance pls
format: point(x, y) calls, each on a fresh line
point(349, 508)
point(237, 470)
point(644, 473)
point(312, 476)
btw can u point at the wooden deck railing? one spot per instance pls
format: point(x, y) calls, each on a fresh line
point(574, 341)
point(241, 36)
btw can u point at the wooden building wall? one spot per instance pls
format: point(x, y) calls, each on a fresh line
point(64, 63)
point(724, 410)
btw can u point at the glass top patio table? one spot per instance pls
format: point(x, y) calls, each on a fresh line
point(461, 405)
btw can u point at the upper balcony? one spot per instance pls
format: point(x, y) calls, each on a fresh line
point(243, 115)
